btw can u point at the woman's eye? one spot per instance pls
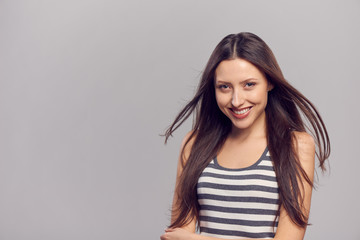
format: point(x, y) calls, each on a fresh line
point(249, 84)
point(223, 86)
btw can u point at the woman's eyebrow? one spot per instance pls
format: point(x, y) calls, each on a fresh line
point(243, 81)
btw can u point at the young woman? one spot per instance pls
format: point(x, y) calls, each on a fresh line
point(246, 169)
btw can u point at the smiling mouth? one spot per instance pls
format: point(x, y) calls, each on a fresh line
point(241, 111)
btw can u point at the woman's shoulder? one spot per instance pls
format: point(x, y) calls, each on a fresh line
point(303, 139)
point(190, 136)
point(304, 145)
point(187, 144)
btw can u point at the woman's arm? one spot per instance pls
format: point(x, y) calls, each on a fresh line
point(305, 149)
point(287, 229)
point(183, 157)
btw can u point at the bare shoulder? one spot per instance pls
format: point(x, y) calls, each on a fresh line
point(187, 138)
point(304, 145)
point(304, 138)
point(304, 142)
point(186, 146)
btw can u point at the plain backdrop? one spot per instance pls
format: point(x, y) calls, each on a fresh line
point(87, 86)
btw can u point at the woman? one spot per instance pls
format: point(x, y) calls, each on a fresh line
point(246, 169)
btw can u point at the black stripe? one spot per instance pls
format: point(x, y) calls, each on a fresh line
point(269, 168)
point(237, 187)
point(238, 199)
point(238, 221)
point(239, 177)
point(237, 233)
point(239, 210)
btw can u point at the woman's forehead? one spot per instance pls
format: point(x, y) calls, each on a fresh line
point(237, 69)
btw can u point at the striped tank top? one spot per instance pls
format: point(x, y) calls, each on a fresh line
point(238, 203)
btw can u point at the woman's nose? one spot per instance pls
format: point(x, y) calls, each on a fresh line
point(238, 99)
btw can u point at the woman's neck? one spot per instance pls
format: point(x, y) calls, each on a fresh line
point(257, 130)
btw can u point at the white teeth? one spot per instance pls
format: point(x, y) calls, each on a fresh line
point(242, 111)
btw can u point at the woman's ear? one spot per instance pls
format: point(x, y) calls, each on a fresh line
point(270, 87)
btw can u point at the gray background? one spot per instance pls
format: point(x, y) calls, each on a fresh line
point(86, 87)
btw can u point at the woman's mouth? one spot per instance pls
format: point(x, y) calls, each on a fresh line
point(240, 113)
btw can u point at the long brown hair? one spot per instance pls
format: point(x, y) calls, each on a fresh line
point(287, 110)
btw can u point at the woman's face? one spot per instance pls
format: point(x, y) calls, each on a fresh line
point(241, 93)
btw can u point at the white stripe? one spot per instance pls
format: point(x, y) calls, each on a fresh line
point(240, 173)
point(252, 205)
point(230, 193)
point(238, 182)
point(239, 216)
point(233, 227)
point(266, 163)
point(220, 236)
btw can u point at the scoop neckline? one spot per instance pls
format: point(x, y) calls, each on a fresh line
point(244, 168)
